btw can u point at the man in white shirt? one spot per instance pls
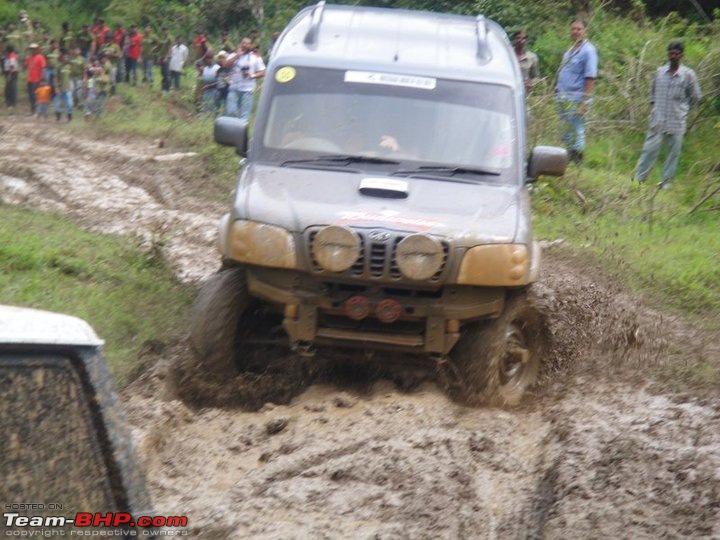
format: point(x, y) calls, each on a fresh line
point(178, 57)
point(246, 66)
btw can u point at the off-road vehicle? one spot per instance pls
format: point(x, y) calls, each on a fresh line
point(384, 200)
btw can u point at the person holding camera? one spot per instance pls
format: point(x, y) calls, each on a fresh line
point(246, 67)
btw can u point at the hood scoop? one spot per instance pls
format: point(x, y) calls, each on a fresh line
point(384, 188)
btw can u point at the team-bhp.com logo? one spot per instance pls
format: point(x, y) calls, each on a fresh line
point(110, 524)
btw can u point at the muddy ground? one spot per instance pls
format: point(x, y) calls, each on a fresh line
point(599, 451)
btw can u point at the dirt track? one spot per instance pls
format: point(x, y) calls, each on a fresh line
point(597, 453)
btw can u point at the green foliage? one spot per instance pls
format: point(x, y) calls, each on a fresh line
point(130, 297)
point(140, 12)
point(8, 12)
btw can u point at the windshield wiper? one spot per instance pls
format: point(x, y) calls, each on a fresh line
point(341, 158)
point(445, 170)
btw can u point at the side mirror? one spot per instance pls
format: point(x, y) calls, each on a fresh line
point(65, 442)
point(547, 160)
point(231, 131)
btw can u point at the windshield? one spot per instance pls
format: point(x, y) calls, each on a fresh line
point(417, 124)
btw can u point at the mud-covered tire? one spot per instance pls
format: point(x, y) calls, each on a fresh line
point(215, 322)
point(499, 360)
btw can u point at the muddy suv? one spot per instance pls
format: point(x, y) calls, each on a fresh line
point(66, 439)
point(384, 200)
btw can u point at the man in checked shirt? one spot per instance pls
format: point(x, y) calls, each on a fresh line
point(675, 90)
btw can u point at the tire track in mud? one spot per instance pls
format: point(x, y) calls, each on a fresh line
point(596, 453)
point(110, 187)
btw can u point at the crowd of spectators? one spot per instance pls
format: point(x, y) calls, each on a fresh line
point(79, 69)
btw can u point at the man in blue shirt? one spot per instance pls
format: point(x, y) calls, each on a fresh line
point(574, 88)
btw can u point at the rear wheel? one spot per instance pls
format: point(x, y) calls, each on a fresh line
point(215, 322)
point(499, 360)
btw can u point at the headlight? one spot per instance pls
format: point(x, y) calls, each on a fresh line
point(419, 257)
point(336, 248)
point(500, 265)
point(262, 244)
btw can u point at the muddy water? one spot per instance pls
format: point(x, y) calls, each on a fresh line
point(598, 452)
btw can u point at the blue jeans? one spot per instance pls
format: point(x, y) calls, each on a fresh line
point(175, 77)
point(572, 124)
point(94, 102)
point(165, 73)
point(239, 104)
point(63, 100)
point(131, 69)
point(120, 72)
point(148, 66)
point(210, 102)
point(650, 150)
point(31, 87)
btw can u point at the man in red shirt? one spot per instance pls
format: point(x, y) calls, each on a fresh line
point(199, 44)
point(35, 65)
point(134, 48)
point(100, 34)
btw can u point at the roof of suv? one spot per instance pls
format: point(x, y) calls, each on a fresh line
point(399, 41)
point(25, 326)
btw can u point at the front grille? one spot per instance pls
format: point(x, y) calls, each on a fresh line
point(377, 259)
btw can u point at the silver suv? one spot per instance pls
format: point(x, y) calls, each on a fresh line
point(384, 200)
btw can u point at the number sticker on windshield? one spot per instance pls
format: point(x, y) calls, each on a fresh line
point(285, 74)
point(390, 79)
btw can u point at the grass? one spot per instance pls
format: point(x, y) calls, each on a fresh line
point(131, 298)
point(646, 237)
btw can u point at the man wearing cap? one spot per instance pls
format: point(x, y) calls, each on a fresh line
point(675, 89)
point(35, 66)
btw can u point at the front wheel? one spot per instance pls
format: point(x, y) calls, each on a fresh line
point(499, 360)
point(215, 322)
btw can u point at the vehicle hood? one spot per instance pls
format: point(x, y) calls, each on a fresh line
point(298, 198)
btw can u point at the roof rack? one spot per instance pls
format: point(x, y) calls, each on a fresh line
point(315, 20)
point(483, 50)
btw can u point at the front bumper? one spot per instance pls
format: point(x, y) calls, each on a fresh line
point(316, 311)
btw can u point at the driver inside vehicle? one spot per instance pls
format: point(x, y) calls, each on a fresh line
point(383, 145)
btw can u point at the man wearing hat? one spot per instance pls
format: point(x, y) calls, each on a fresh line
point(35, 65)
point(675, 90)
